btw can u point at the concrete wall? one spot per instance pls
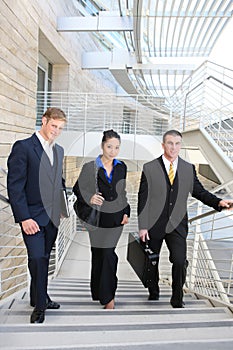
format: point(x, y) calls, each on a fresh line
point(28, 27)
point(28, 36)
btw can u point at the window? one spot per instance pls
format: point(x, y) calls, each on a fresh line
point(44, 87)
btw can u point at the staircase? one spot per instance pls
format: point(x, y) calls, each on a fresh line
point(134, 323)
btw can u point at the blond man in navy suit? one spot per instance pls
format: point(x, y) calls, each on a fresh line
point(35, 185)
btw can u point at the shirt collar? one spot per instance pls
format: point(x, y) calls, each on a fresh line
point(43, 142)
point(167, 163)
point(99, 163)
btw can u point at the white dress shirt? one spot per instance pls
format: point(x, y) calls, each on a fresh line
point(48, 147)
point(167, 164)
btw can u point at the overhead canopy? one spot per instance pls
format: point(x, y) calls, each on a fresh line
point(163, 42)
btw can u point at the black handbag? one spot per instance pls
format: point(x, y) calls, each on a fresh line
point(142, 259)
point(89, 216)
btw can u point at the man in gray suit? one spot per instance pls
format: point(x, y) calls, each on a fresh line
point(162, 209)
point(35, 186)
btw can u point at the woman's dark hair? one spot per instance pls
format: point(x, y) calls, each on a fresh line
point(110, 134)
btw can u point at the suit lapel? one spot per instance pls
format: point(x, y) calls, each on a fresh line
point(58, 159)
point(103, 177)
point(160, 159)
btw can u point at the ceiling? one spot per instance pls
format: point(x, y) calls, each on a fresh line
point(150, 46)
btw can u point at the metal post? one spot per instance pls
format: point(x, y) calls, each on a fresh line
point(230, 276)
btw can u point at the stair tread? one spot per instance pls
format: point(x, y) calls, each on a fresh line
point(74, 304)
point(78, 327)
point(120, 337)
point(96, 321)
point(83, 323)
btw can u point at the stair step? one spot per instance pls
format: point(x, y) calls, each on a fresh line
point(135, 323)
point(215, 344)
point(119, 296)
point(66, 328)
point(77, 304)
point(80, 338)
point(119, 316)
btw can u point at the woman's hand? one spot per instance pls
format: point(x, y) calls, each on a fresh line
point(97, 199)
point(125, 220)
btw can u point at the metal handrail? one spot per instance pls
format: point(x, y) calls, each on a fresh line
point(204, 100)
point(201, 216)
point(13, 257)
point(208, 255)
point(13, 262)
point(4, 199)
point(197, 86)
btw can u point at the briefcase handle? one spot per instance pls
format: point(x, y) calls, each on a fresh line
point(145, 244)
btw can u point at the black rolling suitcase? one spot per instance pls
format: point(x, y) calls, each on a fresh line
point(142, 259)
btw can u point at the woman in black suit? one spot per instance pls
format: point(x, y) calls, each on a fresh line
point(108, 174)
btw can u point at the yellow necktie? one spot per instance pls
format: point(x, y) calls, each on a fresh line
point(171, 174)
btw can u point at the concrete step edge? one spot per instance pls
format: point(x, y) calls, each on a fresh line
point(117, 338)
point(100, 311)
point(58, 328)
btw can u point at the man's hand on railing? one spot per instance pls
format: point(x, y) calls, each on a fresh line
point(226, 203)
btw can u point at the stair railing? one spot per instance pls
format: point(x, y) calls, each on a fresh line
point(204, 100)
point(14, 274)
point(66, 233)
point(13, 256)
point(210, 251)
point(95, 112)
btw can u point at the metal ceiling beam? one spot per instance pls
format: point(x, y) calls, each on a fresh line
point(122, 77)
point(105, 21)
point(103, 60)
point(137, 9)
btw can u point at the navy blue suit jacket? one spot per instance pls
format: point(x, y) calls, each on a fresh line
point(34, 190)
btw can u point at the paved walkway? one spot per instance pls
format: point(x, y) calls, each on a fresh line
point(77, 263)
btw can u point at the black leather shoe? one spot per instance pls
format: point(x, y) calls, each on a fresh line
point(37, 316)
point(52, 305)
point(178, 306)
point(153, 297)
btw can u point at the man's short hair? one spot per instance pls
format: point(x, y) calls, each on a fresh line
point(171, 132)
point(54, 113)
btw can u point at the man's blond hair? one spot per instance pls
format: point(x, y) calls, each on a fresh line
point(54, 113)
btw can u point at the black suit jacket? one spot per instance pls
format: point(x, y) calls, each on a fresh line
point(34, 190)
point(162, 208)
point(114, 193)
